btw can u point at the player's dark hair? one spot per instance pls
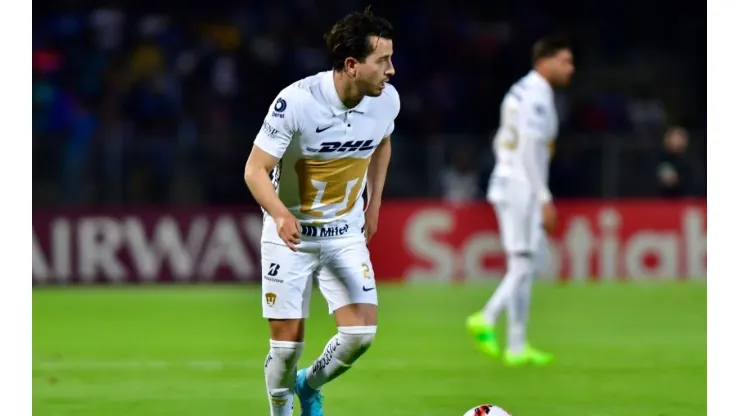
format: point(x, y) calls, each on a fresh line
point(548, 47)
point(350, 37)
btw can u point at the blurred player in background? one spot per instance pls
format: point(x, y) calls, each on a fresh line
point(518, 190)
point(323, 140)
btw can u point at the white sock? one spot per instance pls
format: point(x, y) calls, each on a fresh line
point(517, 268)
point(525, 300)
point(339, 354)
point(280, 371)
point(518, 314)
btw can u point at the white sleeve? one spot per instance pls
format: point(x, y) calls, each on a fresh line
point(533, 127)
point(396, 105)
point(279, 126)
point(389, 130)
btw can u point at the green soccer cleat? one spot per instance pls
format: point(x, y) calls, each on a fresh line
point(484, 333)
point(538, 357)
point(528, 356)
point(515, 359)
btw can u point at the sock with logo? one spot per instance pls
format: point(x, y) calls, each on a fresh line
point(280, 372)
point(518, 267)
point(339, 354)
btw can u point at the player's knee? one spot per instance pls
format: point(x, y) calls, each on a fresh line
point(363, 341)
point(285, 351)
point(520, 262)
point(287, 329)
point(358, 340)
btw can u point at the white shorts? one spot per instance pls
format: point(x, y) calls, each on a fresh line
point(519, 218)
point(341, 267)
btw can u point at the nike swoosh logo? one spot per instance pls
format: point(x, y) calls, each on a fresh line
point(367, 289)
point(318, 130)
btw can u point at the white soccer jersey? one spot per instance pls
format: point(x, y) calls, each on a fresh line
point(525, 140)
point(324, 150)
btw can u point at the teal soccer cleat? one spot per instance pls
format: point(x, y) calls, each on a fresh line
point(311, 400)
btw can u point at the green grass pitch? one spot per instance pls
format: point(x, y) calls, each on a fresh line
point(622, 350)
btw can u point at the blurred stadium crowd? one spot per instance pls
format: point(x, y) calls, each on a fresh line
point(150, 104)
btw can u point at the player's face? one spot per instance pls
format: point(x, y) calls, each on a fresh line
point(561, 67)
point(377, 69)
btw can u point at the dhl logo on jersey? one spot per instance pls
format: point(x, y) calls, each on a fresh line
point(348, 146)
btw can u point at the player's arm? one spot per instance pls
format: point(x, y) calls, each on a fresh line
point(257, 176)
point(532, 128)
point(378, 168)
point(532, 133)
point(276, 133)
point(377, 172)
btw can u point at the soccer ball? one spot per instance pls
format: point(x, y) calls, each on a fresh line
point(486, 410)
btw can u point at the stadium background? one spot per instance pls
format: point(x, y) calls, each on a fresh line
point(144, 114)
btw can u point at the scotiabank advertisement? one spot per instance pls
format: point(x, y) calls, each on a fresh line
point(593, 241)
point(416, 242)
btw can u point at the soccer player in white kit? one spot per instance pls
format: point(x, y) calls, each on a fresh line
point(324, 139)
point(518, 190)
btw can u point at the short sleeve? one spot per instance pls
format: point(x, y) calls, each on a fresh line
point(395, 105)
point(279, 126)
point(389, 130)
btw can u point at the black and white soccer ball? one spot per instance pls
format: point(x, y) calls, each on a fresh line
point(487, 410)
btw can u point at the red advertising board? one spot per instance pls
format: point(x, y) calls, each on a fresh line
point(417, 241)
point(146, 245)
point(593, 241)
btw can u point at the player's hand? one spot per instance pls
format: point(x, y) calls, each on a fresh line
point(549, 216)
point(371, 223)
point(288, 230)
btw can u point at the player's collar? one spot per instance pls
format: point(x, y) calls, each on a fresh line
point(332, 97)
point(539, 79)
